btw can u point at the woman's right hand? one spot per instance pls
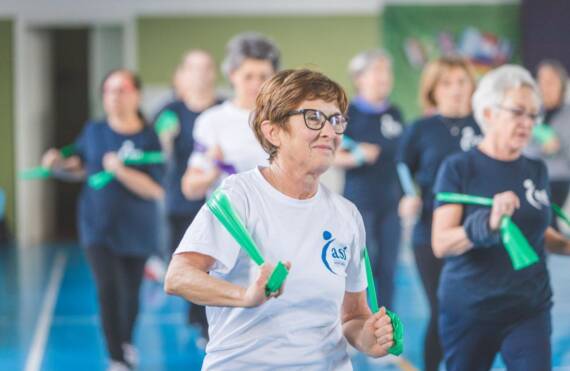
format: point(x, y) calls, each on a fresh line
point(409, 207)
point(370, 151)
point(254, 295)
point(504, 204)
point(51, 158)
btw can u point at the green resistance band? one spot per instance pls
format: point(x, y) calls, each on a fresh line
point(521, 253)
point(167, 121)
point(101, 179)
point(397, 325)
point(220, 205)
point(560, 213)
point(543, 133)
point(41, 172)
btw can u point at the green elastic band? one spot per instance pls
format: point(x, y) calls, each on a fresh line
point(35, 173)
point(521, 253)
point(103, 178)
point(220, 205)
point(543, 133)
point(397, 325)
point(560, 213)
point(167, 121)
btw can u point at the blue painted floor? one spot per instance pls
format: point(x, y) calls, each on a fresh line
point(75, 342)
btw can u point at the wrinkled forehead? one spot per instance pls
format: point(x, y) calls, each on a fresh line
point(523, 96)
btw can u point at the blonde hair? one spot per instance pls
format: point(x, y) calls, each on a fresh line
point(432, 74)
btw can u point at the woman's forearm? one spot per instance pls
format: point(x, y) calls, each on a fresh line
point(196, 183)
point(450, 242)
point(556, 243)
point(139, 183)
point(185, 280)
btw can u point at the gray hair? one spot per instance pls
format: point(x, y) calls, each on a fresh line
point(249, 45)
point(360, 62)
point(495, 84)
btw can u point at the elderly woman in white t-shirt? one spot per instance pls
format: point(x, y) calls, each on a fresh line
point(299, 120)
point(223, 143)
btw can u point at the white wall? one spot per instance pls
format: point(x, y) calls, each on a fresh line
point(34, 199)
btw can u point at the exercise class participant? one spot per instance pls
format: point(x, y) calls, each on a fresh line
point(447, 83)
point(298, 119)
point(118, 224)
point(486, 306)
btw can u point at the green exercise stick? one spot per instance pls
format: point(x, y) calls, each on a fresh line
point(397, 325)
point(35, 173)
point(543, 133)
point(41, 172)
point(560, 213)
point(521, 253)
point(220, 205)
point(101, 179)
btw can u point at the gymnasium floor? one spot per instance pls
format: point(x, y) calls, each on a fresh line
point(48, 316)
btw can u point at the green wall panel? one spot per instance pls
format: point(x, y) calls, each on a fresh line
point(7, 159)
point(425, 23)
point(323, 42)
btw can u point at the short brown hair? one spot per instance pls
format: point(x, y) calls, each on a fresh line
point(432, 74)
point(284, 92)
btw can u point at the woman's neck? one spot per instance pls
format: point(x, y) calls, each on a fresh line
point(199, 101)
point(244, 103)
point(126, 123)
point(493, 148)
point(291, 181)
point(454, 113)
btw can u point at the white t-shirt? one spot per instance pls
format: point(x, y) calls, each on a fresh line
point(227, 126)
point(322, 237)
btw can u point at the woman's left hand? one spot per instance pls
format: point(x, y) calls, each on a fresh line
point(112, 162)
point(377, 334)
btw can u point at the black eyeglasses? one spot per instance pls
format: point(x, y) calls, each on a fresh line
point(315, 119)
point(520, 113)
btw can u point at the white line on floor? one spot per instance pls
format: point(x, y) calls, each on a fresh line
point(36, 353)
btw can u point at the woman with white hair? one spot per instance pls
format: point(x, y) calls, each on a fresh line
point(486, 306)
point(371, 180)
point(224, 143)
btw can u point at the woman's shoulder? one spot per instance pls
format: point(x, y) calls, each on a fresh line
point(342, 206)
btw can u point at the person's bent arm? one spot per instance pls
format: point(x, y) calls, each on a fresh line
point(369, 333)
point(364, 153)
point(196, 182)
point(448, 236)
point(136, 181)
point(69, 168)
point(187, 276)
point(555, 242)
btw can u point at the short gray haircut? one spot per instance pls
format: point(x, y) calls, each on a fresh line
point(495, 84)
point(360, 62)
point(250, 45)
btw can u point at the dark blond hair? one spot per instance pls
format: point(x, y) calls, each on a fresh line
point(284, 92)
point(432, 74)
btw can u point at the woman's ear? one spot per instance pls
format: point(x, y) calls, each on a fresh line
point(488, 114)
point(271, 133)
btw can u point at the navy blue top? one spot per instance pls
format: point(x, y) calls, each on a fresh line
point(374, 186)
point(424, 147)
point(176, 203)
point(482, 282)
point(114, 216)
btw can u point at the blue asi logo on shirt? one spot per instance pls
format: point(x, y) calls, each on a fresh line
point(335, 256)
